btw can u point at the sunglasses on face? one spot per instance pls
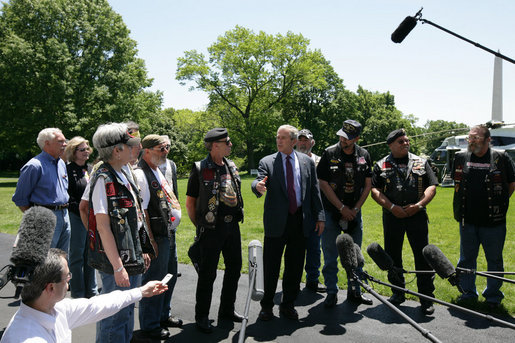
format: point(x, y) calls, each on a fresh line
point(82, 149)
point(402, 141)
point(227, 142)
point(163, 148)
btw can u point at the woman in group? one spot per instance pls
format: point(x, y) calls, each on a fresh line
point(117, 236)
point(84, 281)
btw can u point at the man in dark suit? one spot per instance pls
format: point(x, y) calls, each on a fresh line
point(293, 207)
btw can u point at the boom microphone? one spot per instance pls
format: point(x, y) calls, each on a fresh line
point(380, 257)
point(441, 264)
point(256, 265)
point(345, 247)
point(34, 237)
point(404, 29)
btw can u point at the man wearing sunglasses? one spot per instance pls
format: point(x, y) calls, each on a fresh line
point(215, 207)
point(163, 214)
point(403, 184)
point(484, 180)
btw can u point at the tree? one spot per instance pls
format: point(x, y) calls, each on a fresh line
point(69, 64)
point(436, 130)
point(247, 75)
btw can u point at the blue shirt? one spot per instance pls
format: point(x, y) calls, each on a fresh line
point(296, 174)
point(43, 180)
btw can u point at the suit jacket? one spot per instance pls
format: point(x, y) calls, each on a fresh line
point(276, 199)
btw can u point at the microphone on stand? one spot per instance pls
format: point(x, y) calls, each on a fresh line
point(256, 282)
point(444, 268)
point(351, 258)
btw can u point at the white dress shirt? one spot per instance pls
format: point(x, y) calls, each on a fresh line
point(32, 326)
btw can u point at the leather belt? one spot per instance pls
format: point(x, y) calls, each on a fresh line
point(228, 218)
point(54, 207)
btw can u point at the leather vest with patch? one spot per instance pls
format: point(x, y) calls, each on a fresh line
point(497, 187)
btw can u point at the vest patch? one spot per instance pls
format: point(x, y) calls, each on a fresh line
point(110, 189)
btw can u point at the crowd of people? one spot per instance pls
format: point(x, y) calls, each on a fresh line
point(119, 217)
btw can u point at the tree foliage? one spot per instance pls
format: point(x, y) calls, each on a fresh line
point(437, 130)
point(69, 64)
point(247, 75)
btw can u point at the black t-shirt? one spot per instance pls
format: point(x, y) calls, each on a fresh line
point(347, 165)
point(228, 197)
point(77, 180)
point(477, 204)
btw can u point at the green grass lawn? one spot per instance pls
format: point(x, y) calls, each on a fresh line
point(443, 232)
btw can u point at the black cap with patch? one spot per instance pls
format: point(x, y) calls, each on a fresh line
point(392, 136)
point(216, 134)
point(350, 129)
point(306, 133)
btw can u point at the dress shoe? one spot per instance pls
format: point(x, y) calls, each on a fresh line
point(359, 299)
point(171, 322)
point(427, 308)
point(397, 299)
point(492, 305)
point(204, 325)
point(316, 287)
point(157, 333)
point(288, 312)
point(232, 316)
point(330, 300)
point(266, 315)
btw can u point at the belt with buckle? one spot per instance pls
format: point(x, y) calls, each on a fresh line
point(228, 218)
point(54, 207)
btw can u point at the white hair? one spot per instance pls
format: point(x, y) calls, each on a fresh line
point(105, 134)
point(47, 135)
point(294, 132)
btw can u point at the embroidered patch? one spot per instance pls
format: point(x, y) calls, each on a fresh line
point(110, 189)
point(361, 160)
point(155, 184)
point(125, 203)
point(335, 161)
point(386, 166)
point(208, 174)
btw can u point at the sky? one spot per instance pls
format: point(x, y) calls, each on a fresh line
point(432, 74)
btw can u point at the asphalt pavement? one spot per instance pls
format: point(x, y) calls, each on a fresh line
point(344, 322)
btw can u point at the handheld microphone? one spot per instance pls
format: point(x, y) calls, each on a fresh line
point(441, 264)
point(404, 29)
point(256, 266)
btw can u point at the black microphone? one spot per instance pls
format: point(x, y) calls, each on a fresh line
point(32, 242)
point(404, 29)
point(345, 247)
point(359, 256)
point(441, 264)
point(380, 257)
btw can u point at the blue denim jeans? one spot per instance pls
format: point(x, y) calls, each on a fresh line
point(61, 238)
point(117, 328)
point(331, 231)
point(84, 281)
point(172, 269)
point(492, 240)
point(312, 256)
point(150, 308)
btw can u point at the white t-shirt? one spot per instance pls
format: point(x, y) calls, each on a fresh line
point(145, 193)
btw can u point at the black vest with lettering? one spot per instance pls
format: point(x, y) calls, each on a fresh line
point(403, 190)
point(497, 187)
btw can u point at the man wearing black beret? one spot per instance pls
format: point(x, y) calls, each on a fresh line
point(403, 184)
point(215, 206)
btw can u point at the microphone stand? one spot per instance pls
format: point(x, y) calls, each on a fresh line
point(427, 334)
point(426, 297)
point(486, 274)
point(252, 275)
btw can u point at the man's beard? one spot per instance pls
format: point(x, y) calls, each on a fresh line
point(304, 150)
point(475, 148)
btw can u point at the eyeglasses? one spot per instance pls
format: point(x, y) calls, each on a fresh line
point(403, 141)
point(163, 148)
point(68, 276)
point(474, 138)
point(227, 141)
point(82, 149)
